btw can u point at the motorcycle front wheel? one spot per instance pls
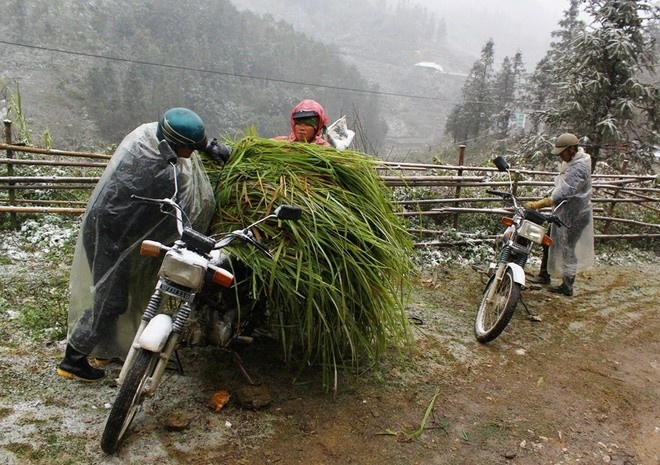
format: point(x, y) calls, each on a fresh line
point(128, 400)
point(492, 317)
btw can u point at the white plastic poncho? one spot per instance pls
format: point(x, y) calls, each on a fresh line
point(572, 247)
point(108, 276)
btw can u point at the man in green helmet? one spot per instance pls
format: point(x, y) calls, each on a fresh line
point(110, 283)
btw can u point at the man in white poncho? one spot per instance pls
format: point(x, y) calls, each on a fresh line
point(572, 246)
point(110, 283)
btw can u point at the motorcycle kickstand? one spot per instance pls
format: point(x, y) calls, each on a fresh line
point(238, 363)
point(532, 316)
point(179, 365)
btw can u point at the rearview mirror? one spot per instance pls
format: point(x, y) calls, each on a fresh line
point(501, 164)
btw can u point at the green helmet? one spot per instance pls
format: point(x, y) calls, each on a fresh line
point(181, 127)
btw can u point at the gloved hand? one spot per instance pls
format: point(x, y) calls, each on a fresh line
point(538, 204)
point(219, 153)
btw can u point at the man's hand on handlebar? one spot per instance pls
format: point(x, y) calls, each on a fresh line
point(538, 204)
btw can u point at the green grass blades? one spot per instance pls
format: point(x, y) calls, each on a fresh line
point(341, 277)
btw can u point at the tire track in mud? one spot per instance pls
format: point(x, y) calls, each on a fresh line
point(620, 303)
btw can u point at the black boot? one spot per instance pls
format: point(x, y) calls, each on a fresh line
point(566, 286)
point(75, 365)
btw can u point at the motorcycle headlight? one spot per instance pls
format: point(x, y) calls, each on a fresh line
point(177, 269)
point(532, 231)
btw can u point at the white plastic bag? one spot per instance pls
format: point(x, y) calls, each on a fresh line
point(339, 135)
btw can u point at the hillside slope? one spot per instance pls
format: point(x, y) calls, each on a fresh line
point(385, 44)
point(125, 65)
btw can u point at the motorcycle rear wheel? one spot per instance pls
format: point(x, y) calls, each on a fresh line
point(492, 317)
point(129, 398)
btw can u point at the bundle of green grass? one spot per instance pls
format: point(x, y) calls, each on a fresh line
point(337, 287)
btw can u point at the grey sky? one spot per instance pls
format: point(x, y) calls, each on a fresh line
point(512, 24)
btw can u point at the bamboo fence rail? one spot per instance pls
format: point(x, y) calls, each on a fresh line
point(457, 190)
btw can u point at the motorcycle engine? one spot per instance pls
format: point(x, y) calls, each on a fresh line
point(192, 333)
point(220, 329)
point(208, 328)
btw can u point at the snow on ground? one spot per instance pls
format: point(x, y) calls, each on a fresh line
point(38, 239)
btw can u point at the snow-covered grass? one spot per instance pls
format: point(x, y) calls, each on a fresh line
point(49, 237)
point(34, 274)
point(479, 254)
point(622, 253)
point(35, 261)
point(464, 255)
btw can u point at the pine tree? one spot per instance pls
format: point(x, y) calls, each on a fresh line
point(543, 85)
point(471, 117)
point(505, 90)
point(600, 93)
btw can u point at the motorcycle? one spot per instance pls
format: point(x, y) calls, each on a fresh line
point(193, 264)
point(506, 276)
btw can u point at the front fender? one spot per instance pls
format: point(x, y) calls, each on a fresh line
point(518, 273)
point(155, 335)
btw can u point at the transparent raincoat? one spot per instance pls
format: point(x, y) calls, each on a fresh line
point(572, 247)
point(110, 282)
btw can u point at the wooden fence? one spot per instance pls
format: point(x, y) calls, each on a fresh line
point(451, 197)
point(437, 197)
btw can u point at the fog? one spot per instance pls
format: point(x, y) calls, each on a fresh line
point(513, 25)
point(370, 53)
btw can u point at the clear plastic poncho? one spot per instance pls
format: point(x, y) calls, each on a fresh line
point(572, 247)
point(110, 282)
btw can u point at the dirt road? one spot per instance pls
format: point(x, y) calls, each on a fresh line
point(580, 386)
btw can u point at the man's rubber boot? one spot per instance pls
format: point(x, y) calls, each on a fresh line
point(565, 288)
point(75, 365)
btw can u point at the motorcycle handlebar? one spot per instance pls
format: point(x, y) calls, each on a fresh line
point(178, 213)
point(499, 193)
point(502, 165)
point(540, 217)
point(245, 236)
point(556, 221)
point(283, 212)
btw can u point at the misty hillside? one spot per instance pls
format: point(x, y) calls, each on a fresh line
point(126, 63)
point(95, 71)
point(385, 43)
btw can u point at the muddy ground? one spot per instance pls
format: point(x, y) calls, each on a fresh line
point(580, 386)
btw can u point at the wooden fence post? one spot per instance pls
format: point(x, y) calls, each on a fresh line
point(606, 227)
point(461, 159)
point(516, 179)
point(10, 173)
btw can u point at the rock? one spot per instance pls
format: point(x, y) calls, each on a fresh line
point(254, 397)
point(177, 421)
point(219, 400)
